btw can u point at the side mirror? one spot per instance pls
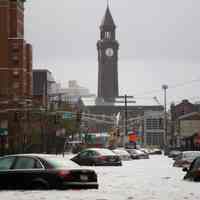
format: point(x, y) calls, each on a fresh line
point(185, 169)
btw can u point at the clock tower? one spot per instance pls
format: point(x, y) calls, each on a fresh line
point(107, 48)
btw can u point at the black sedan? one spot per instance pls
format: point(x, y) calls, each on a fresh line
point(34, 171)
point(193, 173)
point(97, 157)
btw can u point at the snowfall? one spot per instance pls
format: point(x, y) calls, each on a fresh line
point(151, 179)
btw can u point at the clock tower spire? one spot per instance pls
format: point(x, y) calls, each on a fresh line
point(107, 48)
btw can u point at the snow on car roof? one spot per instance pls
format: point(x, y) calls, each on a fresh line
point(121, 152)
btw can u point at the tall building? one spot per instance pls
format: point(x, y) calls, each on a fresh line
point(15, 76)
point(42, 86)
point(107, 48)
point(15, 53)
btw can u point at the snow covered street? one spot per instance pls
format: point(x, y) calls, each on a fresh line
point(151, 179)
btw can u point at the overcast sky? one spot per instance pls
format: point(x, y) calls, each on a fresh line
point(159, 44)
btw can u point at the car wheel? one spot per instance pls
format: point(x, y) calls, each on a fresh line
point(196, 179)
point(39, 186)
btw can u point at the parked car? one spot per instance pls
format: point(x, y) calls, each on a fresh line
point(193, 173)
point(35, 171)
point(156, 152)
point(122, 153)
point(137, 154)
point(145, 150)
point(185, 158)
point(97, 157)
point(174, 153)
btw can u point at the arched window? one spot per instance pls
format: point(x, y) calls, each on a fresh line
point(108, 35)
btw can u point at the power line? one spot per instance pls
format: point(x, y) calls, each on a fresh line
point(170, 87)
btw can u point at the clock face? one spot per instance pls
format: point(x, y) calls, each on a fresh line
point(109, 52)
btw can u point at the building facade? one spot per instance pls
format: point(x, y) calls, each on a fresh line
point(184, 124)
point(153, 128)
point(42, 87)
point(188, 131)
point(146, 119)
point(15, 74)
point(15, 53)
point(74, 92)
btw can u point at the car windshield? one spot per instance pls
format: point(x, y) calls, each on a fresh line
point(136, 151)
point(105, 152)
point(60, 162)
point(191, 154)
point(120, 152)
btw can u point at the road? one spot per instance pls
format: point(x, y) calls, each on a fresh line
point(153, 179)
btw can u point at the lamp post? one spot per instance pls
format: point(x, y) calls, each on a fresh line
point(165, 87)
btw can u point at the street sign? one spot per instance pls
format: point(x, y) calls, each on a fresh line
point(67, 115)
point(3, 131)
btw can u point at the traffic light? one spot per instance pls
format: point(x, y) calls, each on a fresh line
point(78, 116)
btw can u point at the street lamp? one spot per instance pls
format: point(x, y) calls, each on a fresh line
point(165, 87)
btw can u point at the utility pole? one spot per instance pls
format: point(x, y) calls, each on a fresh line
point(125, 101)
point(165, 87)
point(126, 114)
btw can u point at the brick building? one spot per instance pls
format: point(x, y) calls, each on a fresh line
point(15, 53)
point(184, 124)
point(15, 73)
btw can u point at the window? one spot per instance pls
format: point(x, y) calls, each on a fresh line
point(38, 165)
point(84, 154)
point(25, 163)
point(107, 35)
point(153, 124)
point(16, 85)
point(92, 153)
point(15, 47)
point(15, 73)
point(6, 163)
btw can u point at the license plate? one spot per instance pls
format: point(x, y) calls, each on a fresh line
point(83, 177)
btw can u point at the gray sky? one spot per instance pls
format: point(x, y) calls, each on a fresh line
point(159, 44)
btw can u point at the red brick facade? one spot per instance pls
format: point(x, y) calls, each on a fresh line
point(15, 73)
point(15, 53)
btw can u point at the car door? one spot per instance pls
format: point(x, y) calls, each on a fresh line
point(6, 174)
point(91, 155)
point(84, 158)
point(26, 169)
point(194, 170)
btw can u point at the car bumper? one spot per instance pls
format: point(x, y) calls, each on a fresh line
point(79, 185)
point(144, 157)
point(109, 164)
